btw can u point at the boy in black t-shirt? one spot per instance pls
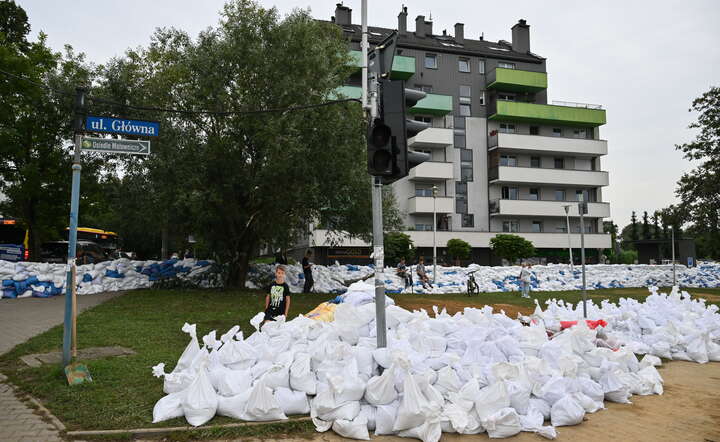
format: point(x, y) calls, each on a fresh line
point(277, 302)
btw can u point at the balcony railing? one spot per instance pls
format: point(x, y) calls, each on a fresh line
point(574, 104)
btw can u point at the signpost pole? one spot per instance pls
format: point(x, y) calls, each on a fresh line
point(582, 258)
point(68, 329)
point(672, 232)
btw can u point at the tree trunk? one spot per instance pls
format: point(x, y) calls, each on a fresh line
point(164, 245)
point(239, 266)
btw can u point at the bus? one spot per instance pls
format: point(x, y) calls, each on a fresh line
point(13, 241)
point(105, 239)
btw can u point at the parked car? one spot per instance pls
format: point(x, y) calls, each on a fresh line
point(87, 252)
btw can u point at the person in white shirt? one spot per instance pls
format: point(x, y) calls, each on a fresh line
point(525, 278)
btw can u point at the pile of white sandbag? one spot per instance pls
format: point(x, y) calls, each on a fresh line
point(472, 372)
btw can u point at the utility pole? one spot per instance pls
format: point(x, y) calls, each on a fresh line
point(582, 208)
point(672, 235)
point(434, 191)
point(567, 219)
point(69, 326)
point(369, 104)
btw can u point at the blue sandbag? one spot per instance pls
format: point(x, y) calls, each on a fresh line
point(9, 293)
point(393, 291)
point(352, 268)
point(32, 280)
point(87, 277)
point(113, 274)
point(7, 282)
point(202, 263)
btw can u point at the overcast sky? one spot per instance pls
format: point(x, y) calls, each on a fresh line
point(644, 61)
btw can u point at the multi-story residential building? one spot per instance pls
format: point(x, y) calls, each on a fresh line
point(503, 159)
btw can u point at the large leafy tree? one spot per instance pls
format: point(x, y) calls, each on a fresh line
point(242, 179)
point(511, 247)
point(35, 127)
point(699, 189)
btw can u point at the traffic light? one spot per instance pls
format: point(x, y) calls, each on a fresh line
point(388, 154)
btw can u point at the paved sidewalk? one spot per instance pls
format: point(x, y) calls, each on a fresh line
point(22, 319)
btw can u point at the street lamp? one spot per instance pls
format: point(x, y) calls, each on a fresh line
point(582, 208)
point(434, 191)
point(672, 233)
point(567, 218)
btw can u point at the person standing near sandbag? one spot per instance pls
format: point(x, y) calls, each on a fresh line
point(277, 301)
point(525, 278)
point(307, 272)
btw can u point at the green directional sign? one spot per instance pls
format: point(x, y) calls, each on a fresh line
point(109, 145)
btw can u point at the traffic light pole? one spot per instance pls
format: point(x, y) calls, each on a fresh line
point(369, 104)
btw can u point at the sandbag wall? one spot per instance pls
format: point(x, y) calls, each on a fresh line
point(44, 280)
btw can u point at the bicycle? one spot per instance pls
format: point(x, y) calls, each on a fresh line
point(472, 287)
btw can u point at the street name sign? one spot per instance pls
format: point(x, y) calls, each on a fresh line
point(122, 126)
point(109, 145)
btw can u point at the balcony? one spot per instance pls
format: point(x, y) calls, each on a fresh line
point(424, 204)
point(433, 104)
point(432, 171)
point(403, 67)
point(516, 80)
point(546, 114)
point(535, 175)
point(433, 138)
point(545, 208)
point(531, 144)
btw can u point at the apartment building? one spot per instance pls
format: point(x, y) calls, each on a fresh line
point(503, 159)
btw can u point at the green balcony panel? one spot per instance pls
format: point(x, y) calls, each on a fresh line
point(402, 69)
point(548, 114)
point(433, 104)
point(347, 92)
point(517, 80)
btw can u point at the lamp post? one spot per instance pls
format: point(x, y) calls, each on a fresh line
point(582, 208)
point(567, 219)
point(434, 191)
point(672, 235)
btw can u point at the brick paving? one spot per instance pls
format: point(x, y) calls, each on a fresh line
point(22, 319)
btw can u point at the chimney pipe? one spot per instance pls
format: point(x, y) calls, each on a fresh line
point(459, 32)
point(521, 37)
point(343, 14)
point(422, 28)
point(402, 21)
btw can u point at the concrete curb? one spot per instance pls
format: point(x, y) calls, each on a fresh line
point(139, 432)
point(22, 396)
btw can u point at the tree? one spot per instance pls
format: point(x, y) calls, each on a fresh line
point(458, 249)
point(645, 226)
point(699, 189)
point(237, 179)
point(633, 232)
point(511, 247)
point(35, 124)
point(398, 245)
point(656, 225)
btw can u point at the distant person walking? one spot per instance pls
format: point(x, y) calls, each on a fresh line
point(525, 278)
point(307, 272)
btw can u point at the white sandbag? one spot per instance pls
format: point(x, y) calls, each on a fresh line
point(261, 405)
point(492, 399)
point(233, 382)
point(697, 348)
point(430, 431)
point(650, 360)
point(502, 423)
point(200, 401)
point(566, 411)
point(191, 349)
point(380, 390)
point(301, 377)
point(385, 416)
point(448, 380)
point(347, 411)
point(352, 429)
point(413, 406)
point(278, 375)
point(368, 412)
point(168, 407)
point(292, 402)
point(233, 406)
point(541, 406)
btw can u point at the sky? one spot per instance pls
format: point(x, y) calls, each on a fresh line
point(644, 61)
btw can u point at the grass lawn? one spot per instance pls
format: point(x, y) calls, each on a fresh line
point(124, 391)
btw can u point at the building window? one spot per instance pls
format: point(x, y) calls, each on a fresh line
point(503, 64)
point(460, 197)
point(468, 220)
point(511, 226)
point(557, 132)
point(534, 194)
point(464, 109)
point(481, 67)
point(482, 98)
point(423, 190)
point(559, 163)
point(507, 128)
point(537, 227)
point(464, 64)
point(424, 119)
point(510, 193)
point(459, 122)
point(559, 195)
point(508, 160)
point(534, 130)
point(466, 165)
point(459, 139)
point(581, 195)
point(423, 227)
point(465, 91)
point(561, 229)
point(579, 133)
point(431, 61)
point(506, 97)
point(534, 161)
